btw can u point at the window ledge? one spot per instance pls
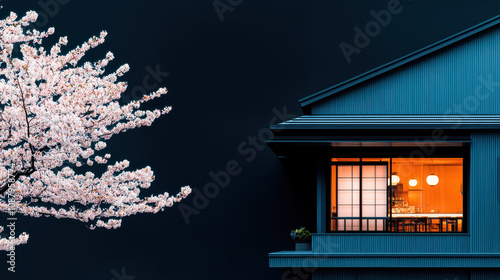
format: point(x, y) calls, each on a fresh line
point(310, 259)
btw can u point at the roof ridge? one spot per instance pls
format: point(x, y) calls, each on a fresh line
point(469, 32)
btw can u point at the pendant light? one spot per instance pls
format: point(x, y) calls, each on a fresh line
point(394, 179)
point(432, 179)
point(413, 182)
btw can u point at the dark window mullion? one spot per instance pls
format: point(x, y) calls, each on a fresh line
point(361, 197)
point(337, 196)
point(390, 191)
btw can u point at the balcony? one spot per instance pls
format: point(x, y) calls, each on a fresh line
point(379, 249)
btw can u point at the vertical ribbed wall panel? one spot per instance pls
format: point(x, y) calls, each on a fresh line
point(390, 243)
point(386, 261)
point(484, 195)
point(400, 274)
point(485, 274)
point(444, 82)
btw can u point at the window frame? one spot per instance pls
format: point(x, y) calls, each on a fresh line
point(393, 152)
point(360, 164)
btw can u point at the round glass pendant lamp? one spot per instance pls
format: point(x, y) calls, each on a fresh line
point(395, 179)
point(432, 180)
point(413, 182)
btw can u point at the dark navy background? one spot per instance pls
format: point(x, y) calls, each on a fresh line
point(226, 77)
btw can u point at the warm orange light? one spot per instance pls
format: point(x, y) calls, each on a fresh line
point(413, 182)
point(432, 180)
point(395, 179)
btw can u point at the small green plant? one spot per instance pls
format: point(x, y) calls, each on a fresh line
point(301, 234)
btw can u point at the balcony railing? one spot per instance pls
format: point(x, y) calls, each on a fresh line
point(388, 224)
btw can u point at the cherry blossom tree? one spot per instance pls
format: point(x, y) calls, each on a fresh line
point(56, 113)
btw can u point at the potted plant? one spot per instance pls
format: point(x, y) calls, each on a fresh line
point(302, 238)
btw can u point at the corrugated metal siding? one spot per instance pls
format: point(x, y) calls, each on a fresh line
point(485, 274)
point(390, 243)
point(441, 83)
point(390, 260)
point(484, 196)
point(400, 274)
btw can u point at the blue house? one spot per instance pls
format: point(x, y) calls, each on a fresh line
point(408, 160)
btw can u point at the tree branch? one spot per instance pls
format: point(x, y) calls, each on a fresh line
point(30, 169)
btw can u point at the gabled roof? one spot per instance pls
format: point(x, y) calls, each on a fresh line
point(399, 62)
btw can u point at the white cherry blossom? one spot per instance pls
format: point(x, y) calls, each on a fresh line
point(56, 114)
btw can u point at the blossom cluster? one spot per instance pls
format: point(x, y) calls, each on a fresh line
point(56, 114)
point(6, 244)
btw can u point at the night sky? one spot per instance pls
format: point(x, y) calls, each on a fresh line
point(227, 79)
